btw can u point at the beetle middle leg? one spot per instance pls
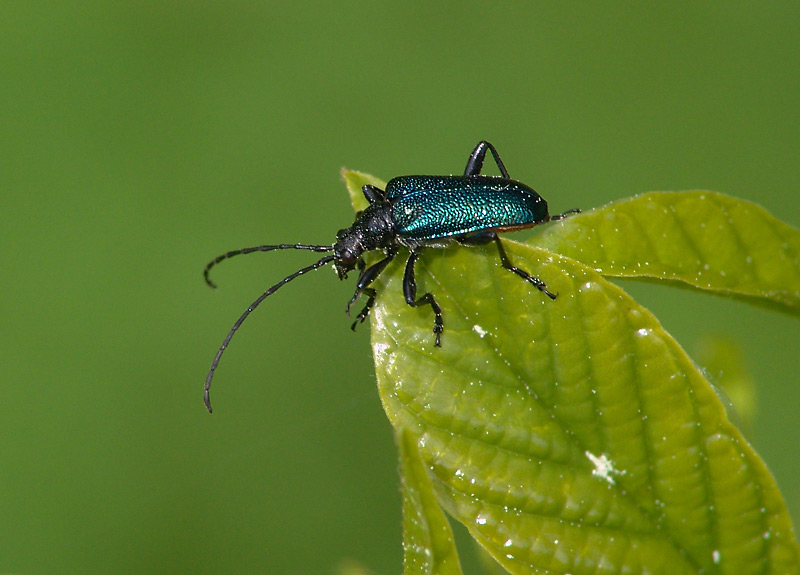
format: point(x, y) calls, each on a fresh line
point(486, 237)
point(367, 276)
point(475, 162)
point(410, 293)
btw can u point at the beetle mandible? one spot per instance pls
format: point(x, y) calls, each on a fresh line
point(416, 212)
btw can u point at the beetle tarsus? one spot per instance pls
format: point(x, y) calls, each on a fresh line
point(558, 217)
point(371, 293)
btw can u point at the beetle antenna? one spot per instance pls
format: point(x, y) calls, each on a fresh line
point(324, 261)
point(225, 256)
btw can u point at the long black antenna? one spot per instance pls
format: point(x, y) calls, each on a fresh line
point(324, 261)
point(225, 256)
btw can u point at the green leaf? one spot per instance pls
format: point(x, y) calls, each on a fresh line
point(704, 239)
point(428, 543)
point(723, 362)
point(575, 435)
point(352, 567)
point(355, 181)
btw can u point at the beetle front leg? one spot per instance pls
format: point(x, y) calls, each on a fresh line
point(367, 277)
point(410, 293)
point(362, 315)
point(373, 193)
point(475, 162)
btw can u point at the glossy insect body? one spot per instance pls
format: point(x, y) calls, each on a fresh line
point(426, 208)
point(416, 212)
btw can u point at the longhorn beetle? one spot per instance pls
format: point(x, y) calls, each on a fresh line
point(416, 212)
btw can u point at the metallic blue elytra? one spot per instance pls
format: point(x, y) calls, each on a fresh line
point(416, 212)
point(433, 207)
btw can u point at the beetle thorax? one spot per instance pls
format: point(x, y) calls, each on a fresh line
point(372, 230)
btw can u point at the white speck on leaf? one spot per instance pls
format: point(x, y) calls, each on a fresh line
point(603, 467)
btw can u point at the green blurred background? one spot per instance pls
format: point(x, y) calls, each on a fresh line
point(139, 140)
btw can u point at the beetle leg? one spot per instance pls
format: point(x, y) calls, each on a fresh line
point(362, 315)
point(476, 239)
point(475, 162)
point(373, 193)
point(367, 276)
point(540, 285)
point(564, 215)
point(410, 293)
point(481, 238)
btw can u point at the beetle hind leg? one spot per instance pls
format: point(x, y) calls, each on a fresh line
point(565, 214)
point(410, 293)
point(540, 285)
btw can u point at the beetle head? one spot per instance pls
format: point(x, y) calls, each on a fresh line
point(373, 229)
point(346, 251)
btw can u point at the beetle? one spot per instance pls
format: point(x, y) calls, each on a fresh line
point(416, 212)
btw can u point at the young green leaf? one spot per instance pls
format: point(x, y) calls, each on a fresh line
point(428, 543)
point(704, 239)
point(355, 181)
point(575, 435)
point(723, 362)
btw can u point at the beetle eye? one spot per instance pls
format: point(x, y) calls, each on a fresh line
point(348, 258)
